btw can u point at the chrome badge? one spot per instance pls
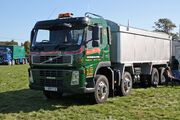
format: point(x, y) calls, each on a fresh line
point(50, 59)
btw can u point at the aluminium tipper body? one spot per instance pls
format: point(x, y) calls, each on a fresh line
point(132, 45)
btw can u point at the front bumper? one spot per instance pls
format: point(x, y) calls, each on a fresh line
point(59, 78)
point(66, 90)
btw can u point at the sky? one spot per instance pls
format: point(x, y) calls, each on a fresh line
point(17, 17)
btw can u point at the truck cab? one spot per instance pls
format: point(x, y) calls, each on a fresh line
point(5, 55)
point(66, 55)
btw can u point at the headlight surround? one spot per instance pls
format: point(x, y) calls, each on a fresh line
point(30, 77)
point(75, 78)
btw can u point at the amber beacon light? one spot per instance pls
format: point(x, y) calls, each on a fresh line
point(65, 15)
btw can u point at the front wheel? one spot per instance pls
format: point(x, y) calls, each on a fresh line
point(101, 89)
point(23, 61)
point(126, 84)
point(9, 62)
point(52, 95)
point(26, 61)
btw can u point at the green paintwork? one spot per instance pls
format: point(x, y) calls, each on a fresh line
point(104, 47)
point(81, 60)
point(67, 78)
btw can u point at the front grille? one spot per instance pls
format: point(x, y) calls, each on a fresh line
point(53, 73)
point(52, 59)
point(50, 83)
point(1, 58)
point(51, 78)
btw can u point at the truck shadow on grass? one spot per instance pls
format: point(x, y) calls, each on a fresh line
point(26, 100)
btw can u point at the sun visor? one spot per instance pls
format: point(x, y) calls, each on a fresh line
point(62, 23)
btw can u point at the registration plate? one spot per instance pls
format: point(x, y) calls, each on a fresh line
point(50, 88)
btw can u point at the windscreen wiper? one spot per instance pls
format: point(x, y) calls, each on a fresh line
point(45, 42)
point(38, 47)
point(60, 47)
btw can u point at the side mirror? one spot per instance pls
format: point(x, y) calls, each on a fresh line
point(96, 33)
point(109, 35)
point(32, 34)
point(95, 43)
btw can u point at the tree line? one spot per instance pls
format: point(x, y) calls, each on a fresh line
point(165, 25)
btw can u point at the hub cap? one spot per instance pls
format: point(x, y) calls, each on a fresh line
point(127, 84)
point(102, 90)
point(155, 80)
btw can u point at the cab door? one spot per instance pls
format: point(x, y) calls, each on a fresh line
point(93, 54)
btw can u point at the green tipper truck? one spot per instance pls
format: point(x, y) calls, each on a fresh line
point(94, 56)
point(12, 54)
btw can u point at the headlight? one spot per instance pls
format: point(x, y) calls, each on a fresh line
point(30, 77)
point(75, 78)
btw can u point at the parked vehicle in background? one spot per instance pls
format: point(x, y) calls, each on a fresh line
point(94, 56)
point(12, 54)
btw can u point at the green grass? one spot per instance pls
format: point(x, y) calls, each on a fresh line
point(17, 101)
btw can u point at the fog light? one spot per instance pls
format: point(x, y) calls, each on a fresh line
point(75, 78)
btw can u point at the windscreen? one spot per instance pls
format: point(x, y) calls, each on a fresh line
point(58, 38)
point(3, 51)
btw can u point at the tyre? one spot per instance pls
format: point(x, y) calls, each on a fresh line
point(13, 62)
point(26, 61)
point(126, 84)
point(23, 62)
point(101, 89)
point(16, 61)
point(52, 95)
point(162, 78)
point(154, 77)
point(9, 63)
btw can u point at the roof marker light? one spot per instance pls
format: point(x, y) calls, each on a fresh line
point(65, 15)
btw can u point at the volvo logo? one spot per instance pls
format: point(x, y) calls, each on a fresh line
point(50, 59)
point(51, 78)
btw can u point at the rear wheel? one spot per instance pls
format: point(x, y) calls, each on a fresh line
point(17, 61)
point(126, 84)
point(13, 62)
point(101, 89)
point(162, 77)
point(154, 77)
point(52, 95)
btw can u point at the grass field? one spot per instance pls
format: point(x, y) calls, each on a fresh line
point(17, 101)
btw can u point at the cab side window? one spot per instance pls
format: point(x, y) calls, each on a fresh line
point(89, 37)
point(101, 40)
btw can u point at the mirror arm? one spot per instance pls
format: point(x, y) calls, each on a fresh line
point(85, 42)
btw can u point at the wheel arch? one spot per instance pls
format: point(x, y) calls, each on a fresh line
point(129, 69)
point(103, 68)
